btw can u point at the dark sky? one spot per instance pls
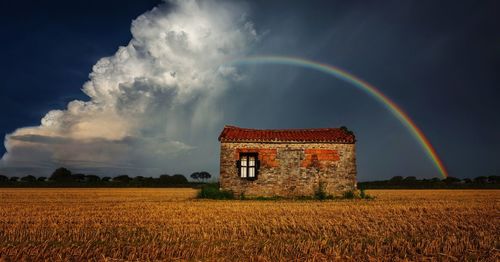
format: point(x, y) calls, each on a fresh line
point(438, 60)
point(49, 48)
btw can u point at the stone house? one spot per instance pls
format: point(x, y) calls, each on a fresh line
point(288, 162)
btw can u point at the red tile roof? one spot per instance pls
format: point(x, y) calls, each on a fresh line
point(331, 135)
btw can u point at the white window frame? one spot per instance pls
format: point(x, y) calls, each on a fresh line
point(248, 166)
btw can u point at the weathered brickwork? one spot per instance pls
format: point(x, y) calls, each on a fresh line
point(267, 156)
point(319, 157)
point(290, 169)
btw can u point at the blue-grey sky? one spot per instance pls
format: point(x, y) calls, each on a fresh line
point(157, 104)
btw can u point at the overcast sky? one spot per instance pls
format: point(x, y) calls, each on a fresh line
point(141, 87)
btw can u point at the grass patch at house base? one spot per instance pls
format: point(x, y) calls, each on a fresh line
point(213, 191)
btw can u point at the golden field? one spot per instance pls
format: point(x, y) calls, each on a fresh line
point(168, 224)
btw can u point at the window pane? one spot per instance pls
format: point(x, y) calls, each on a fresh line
point(243, 172)
point(243, 161)
point(251, 172)
point(251, 161)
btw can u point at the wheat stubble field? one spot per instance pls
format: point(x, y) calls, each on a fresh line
point(168, 224)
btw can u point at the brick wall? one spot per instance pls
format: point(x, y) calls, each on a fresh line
point(290, 169)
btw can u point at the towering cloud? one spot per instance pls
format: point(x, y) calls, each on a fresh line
point(150, 104)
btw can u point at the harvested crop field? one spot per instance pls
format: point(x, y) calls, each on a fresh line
point(168, 224)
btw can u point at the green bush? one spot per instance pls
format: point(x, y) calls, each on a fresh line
point(320, 192)
point(242, 196)
point(362, 193)
point(349, 195)
point(212, 191)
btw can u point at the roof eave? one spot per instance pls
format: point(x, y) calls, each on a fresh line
point(222, 140)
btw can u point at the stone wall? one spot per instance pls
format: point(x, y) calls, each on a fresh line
point(290, 169)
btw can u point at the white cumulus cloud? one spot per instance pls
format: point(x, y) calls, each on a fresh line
point(151, 103)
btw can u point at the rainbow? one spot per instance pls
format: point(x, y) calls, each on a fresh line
point(361, 84)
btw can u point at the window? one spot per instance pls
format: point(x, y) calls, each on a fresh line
point(248, 166)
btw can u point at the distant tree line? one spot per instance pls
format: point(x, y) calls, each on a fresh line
point(411, 182)
point(64, 177)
